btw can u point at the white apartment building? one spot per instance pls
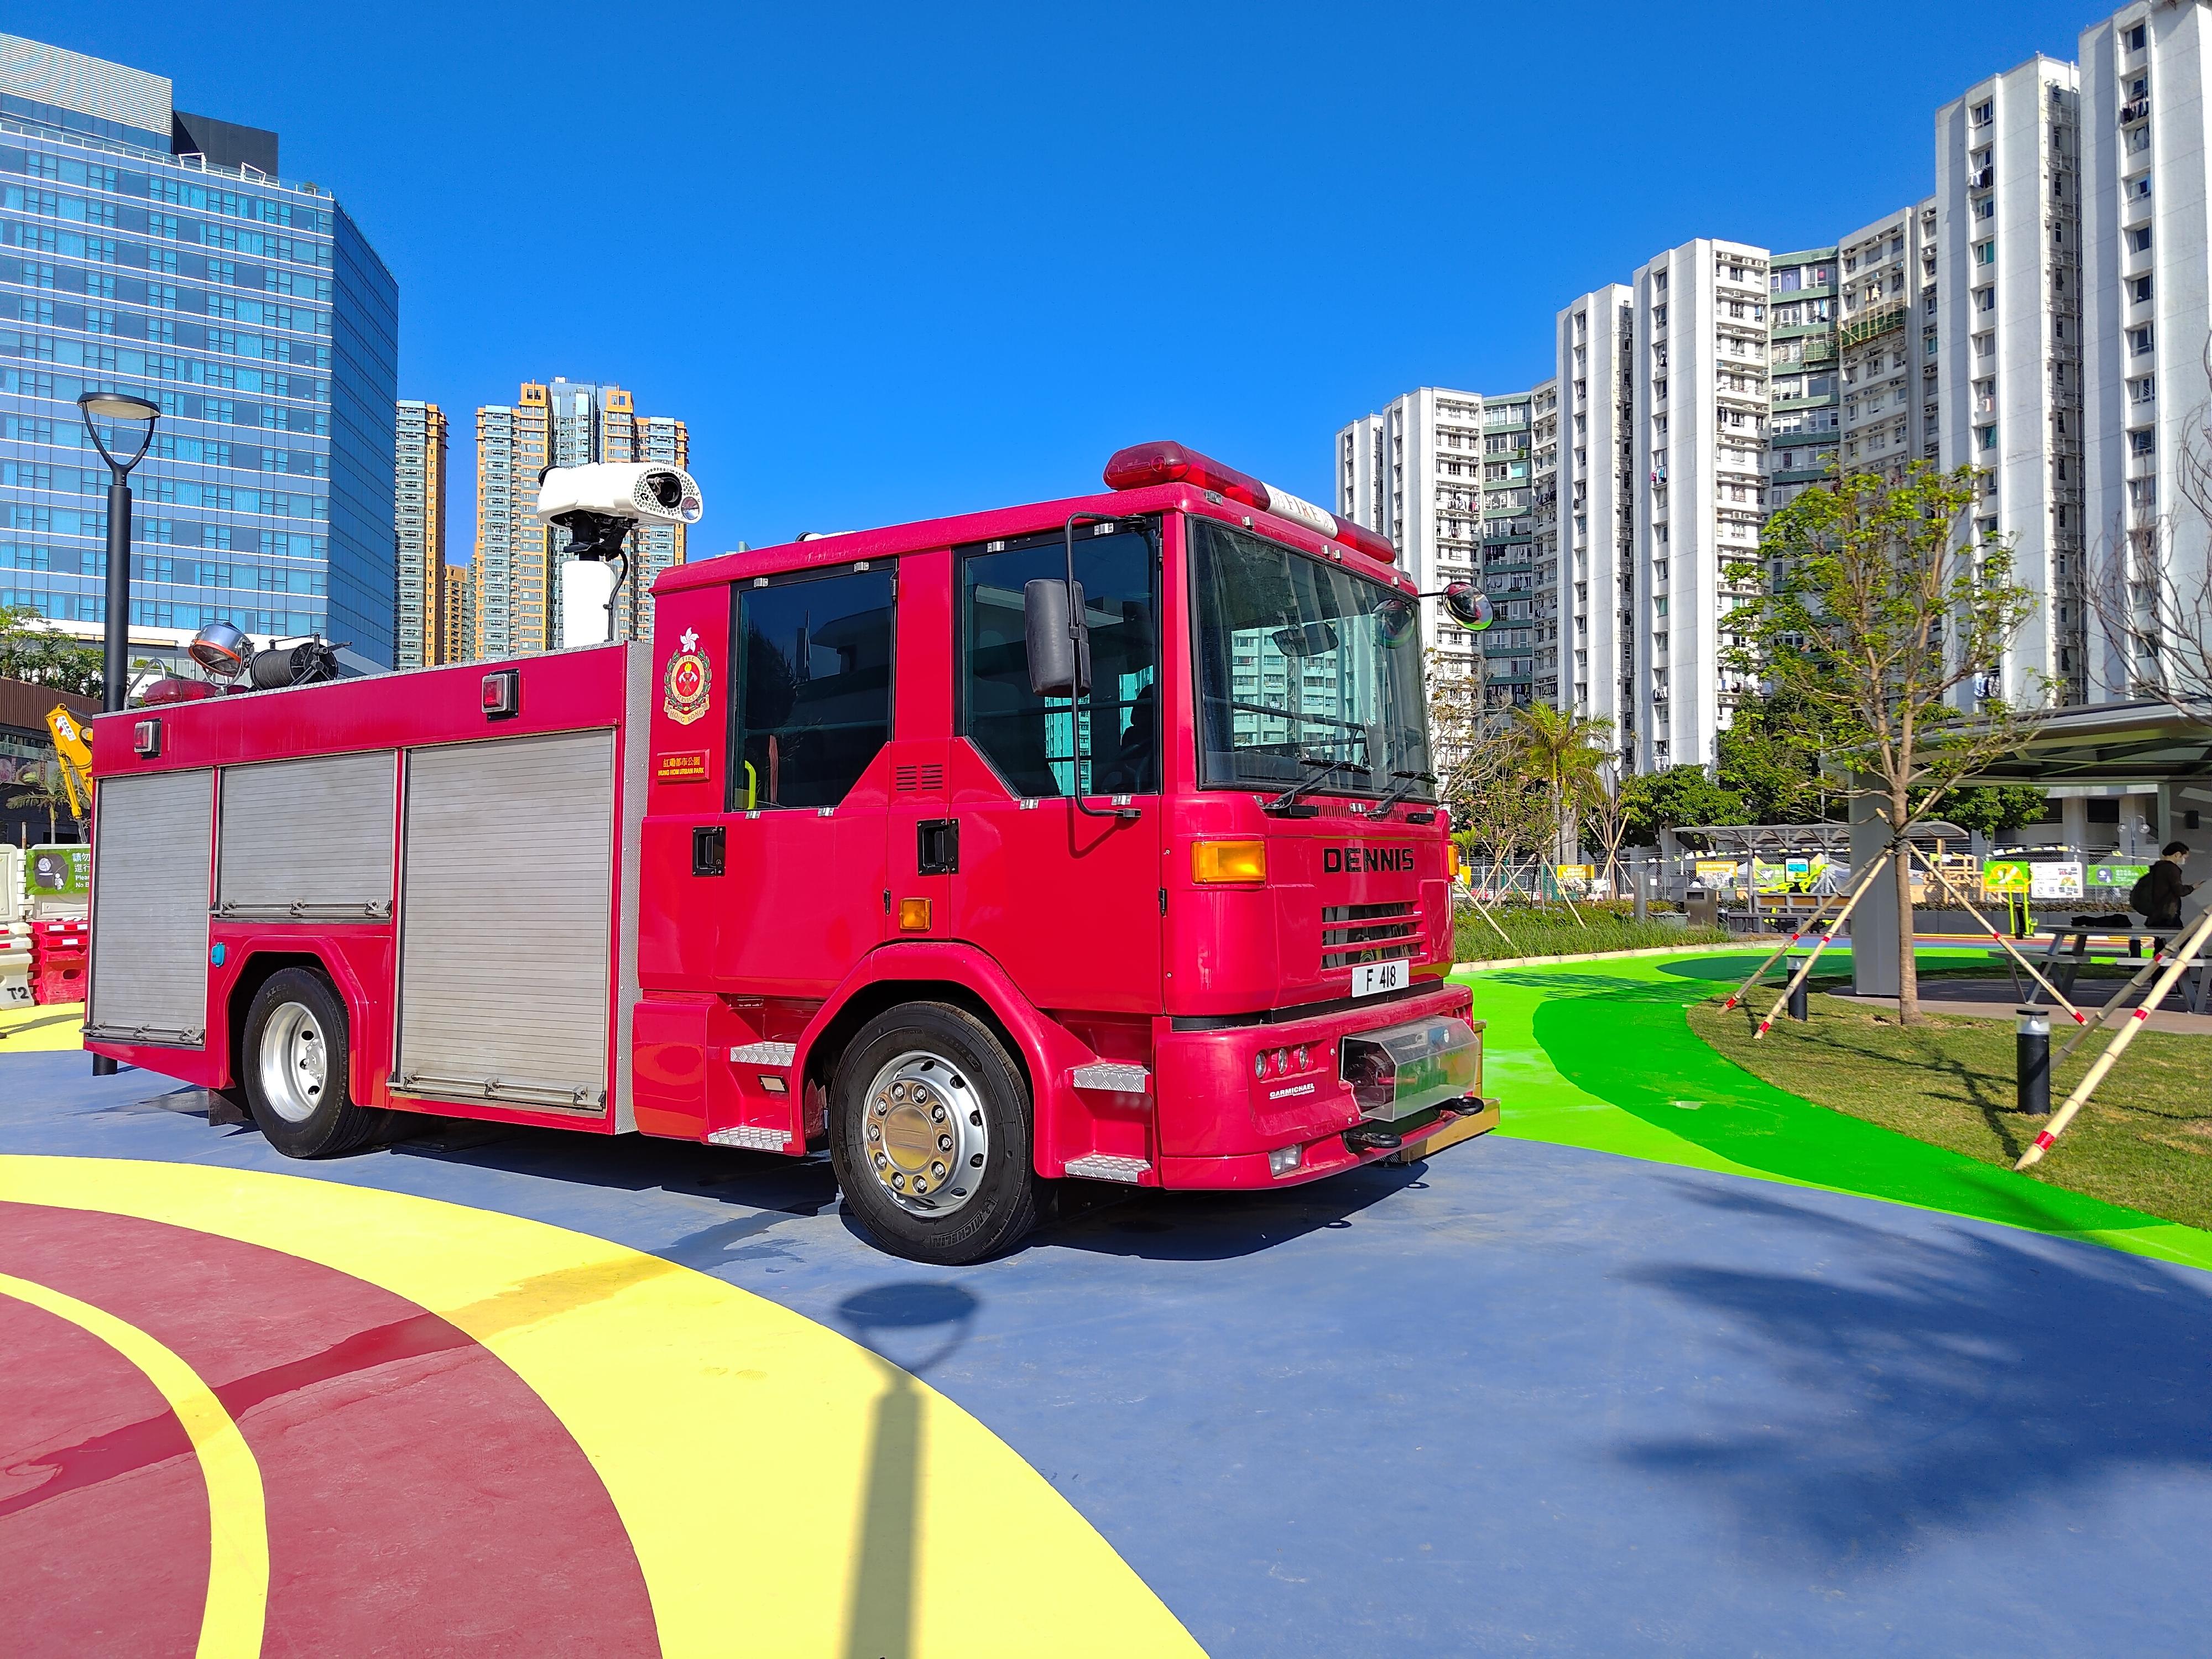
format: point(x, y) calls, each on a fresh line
point(2146, 228)
point(1593, 340)
point(1887, 342)
point(2008, 329)
point(1451, 478)
point(1701, 363)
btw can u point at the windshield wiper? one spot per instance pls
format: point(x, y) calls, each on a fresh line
point(1404, 788)
point(1288, 804)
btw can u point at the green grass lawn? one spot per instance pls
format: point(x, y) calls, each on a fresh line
point(1531, 931)
point(2144, 1141)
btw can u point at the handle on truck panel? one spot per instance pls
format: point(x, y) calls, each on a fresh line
point(709, 845)
point(752, 786)
point(937, 847)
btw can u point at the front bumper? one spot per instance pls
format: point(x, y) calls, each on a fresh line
point(1228, 1097)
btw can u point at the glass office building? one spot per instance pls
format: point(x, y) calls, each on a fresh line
point(147, 250)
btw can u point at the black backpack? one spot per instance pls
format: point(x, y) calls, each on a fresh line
point(2139, 896)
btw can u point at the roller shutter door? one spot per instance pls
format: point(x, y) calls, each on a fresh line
point(149, 908)
point(506, 915)
point(307, 840)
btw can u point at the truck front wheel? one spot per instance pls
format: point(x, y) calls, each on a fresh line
point(294, 1062)
point(929, 1132)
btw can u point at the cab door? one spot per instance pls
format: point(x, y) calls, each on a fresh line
point(807, 785)
point(1068, 899)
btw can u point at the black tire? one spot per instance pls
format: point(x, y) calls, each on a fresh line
point(303, 1116)
point(950, 1061)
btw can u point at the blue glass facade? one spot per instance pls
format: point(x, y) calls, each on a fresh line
point(258, 318)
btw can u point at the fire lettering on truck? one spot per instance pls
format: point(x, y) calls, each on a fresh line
point(1357, 860)
point(688, 686)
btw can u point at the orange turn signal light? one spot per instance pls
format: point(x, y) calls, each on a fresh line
point(913, 916)
point(1228, 861)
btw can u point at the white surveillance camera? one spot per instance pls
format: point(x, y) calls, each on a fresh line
point(635, 492)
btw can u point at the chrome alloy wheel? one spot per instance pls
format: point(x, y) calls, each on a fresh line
point(294, 1062)
point(925, 1133)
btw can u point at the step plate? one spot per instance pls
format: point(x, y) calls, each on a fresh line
point(752, 1139)
point(1098, 1166)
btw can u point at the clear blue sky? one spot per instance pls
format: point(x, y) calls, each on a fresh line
point(892, 261)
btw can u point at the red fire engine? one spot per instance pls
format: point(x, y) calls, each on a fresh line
point(1091, 839)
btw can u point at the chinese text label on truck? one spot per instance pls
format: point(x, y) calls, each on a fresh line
point(1092, 839)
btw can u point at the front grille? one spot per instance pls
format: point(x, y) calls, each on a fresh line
point(1369, 932)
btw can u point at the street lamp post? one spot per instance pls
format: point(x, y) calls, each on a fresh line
point(117, 407)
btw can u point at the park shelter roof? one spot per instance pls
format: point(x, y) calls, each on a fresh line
point(1739, 839)
point(2109, 743)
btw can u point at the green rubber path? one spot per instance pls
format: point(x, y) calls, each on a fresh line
point(1601, 1055)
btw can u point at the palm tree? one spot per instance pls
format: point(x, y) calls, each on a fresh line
point(45, 790)
point(1567, 754)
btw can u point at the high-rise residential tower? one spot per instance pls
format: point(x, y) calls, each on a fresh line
point(419, 521)
point(516, 578)
point(147, 250)
point(1450, 478)
point(2146, 228)
point(1889, 342)
point(1594, 342)
point(1701, 363)
point(1805, 411)
point(655, 548)
point(2009, 332)
point(457, 616)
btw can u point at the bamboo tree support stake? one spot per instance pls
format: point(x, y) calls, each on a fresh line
point(2137, 1019)
point(1790, 944)
point(2116, 1006)
point(2056, 995)
point(1804, 967)
point(1484, 911)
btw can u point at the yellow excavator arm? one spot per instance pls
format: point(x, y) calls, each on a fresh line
point(73, 747)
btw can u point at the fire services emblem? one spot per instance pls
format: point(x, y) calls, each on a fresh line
point(688, 686)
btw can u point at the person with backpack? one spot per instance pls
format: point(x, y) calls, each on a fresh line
point(2158, 895)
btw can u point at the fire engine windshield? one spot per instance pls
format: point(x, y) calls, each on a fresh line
point(1301, 663)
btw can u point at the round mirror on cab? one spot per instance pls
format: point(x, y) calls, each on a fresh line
point(1396, 620)
point(1469, 606)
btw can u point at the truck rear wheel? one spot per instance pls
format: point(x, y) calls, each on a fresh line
point(294, 1061)
point(929, 1133)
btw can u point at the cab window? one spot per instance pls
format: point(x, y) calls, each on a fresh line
point(814, 676)
point(1032, 740)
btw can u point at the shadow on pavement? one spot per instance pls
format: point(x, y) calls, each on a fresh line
point(1965, 1376)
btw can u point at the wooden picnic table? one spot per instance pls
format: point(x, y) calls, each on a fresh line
point(2063, 966)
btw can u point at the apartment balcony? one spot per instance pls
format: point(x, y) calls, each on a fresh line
point(2132, 112)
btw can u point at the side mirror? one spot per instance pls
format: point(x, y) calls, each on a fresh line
point(1060, 662)
point(1469, 606)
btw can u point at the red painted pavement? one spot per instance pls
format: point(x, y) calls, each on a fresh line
point(421, 1497)
point(119, 1565)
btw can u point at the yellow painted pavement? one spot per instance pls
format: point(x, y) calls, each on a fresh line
point(787, 1491)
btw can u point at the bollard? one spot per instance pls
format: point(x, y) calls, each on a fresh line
point(2032, 1062)
point(1797, 992)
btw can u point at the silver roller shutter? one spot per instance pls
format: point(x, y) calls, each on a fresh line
point(506, 907)
point(306, 839)
point(149, 908)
